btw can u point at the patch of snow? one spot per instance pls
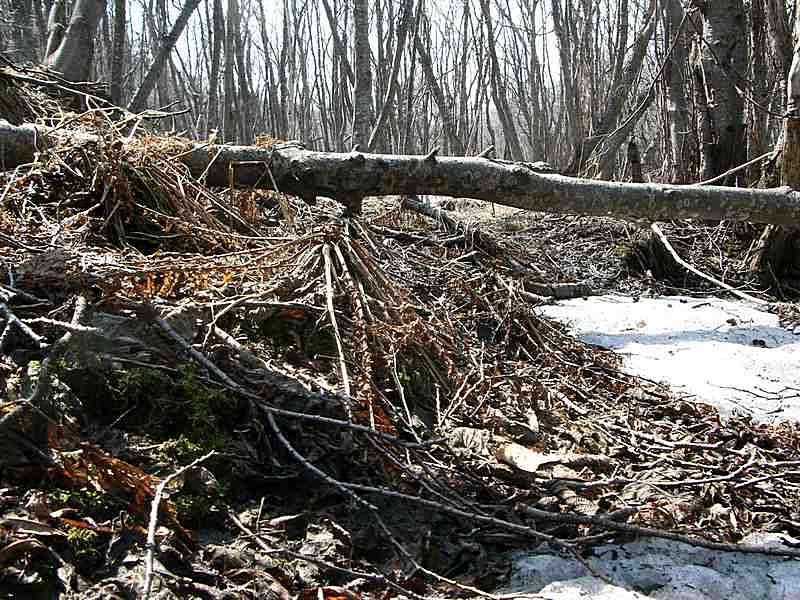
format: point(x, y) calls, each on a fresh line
point(658, 569)
point(721, 352)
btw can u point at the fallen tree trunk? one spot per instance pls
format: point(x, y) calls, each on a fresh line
point(348, 177)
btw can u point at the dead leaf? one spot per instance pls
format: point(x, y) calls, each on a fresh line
point(16, 549)
point(28, 526)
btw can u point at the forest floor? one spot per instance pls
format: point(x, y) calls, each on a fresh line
point(223, 393)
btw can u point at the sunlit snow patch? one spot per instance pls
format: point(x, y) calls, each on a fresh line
point(722, 352)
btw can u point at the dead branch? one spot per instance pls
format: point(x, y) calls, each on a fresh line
point(739, 294)
point(151, 529)
point(344, 176)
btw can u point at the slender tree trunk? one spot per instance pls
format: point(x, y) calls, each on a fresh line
point(167, 44)
point(498, 89)
point(602, 148)
point(22, 38)
point(394, 82)
point(338, 44)
point(229, 110)
point(235, 18)
point(445, 108)
point(362, 94)
point(118, 52)
point(217, 36)
point(567, 76)
point(55, 26)
point(677, 106)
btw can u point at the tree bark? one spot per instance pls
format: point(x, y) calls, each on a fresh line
point(680, 146)
point(343, 175)
point(229, 121)
point(73, 55)
point(55, 26)
point(774, 249)
point(217, 35)
point(600, 151)
point(22, 38)
point(445, 111)
point(718, 67)
point(341, 51)
point(362, 93)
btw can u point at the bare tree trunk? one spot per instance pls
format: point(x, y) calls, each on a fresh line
point(73, 56)
point(55, 26)
point(167, 44)
point(635, 162)
point(22, 38)
point(445, 111)
point(217, 35)
point(337, 175)
point(228, 111)
point(118, 52)
point(362, 93)
point(394, 82)
point(677, 106)
point(339, 46)
point(718, 67)
point(235, 20)
point(602, 148)
point(567, 75)
point(498, 89)
point(776, 248)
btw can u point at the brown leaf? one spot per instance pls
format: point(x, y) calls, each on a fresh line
point(16, 549)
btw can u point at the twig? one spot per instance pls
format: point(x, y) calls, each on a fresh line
point(58, 349)
point(13, 320)
point(348, 490)
point(151, 529)
point(326, 252)
point(657, 230)
point(735, 169)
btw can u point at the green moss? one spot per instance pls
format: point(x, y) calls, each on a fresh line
point(193, 510)
point(622, 251)
point(180, 407)
point(84, 544)
point(182, 450)
point(85, 500)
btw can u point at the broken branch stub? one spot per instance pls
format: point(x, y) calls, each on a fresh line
point(344, 176)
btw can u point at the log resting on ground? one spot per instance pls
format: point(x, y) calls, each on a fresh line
point(347, 177)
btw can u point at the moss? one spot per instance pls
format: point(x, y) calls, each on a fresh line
point(88, 502)
point(181, 407)
point(622, 251)
point(182, 450)
point(192, 509)
point(85, 546)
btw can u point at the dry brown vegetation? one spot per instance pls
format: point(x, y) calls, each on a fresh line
point(230, 393)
